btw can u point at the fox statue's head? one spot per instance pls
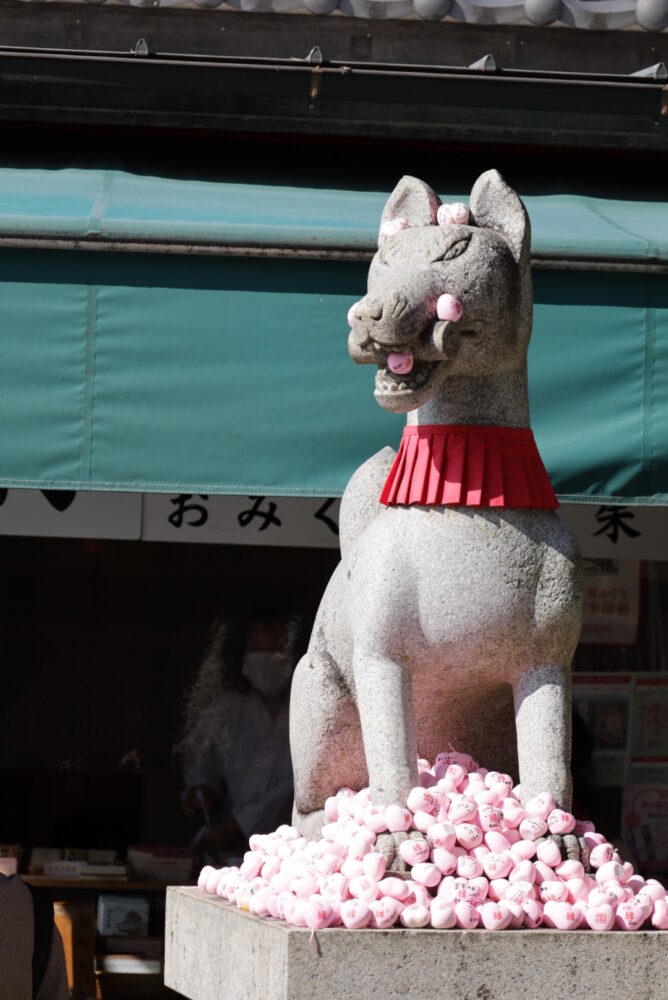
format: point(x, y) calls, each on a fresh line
point(449, 293)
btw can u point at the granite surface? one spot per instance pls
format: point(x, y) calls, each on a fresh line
point(215, 951)
point(442, 625)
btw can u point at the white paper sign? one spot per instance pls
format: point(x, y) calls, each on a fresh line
point(69, 514)
point(604, 531)
point(252, 520)
point(601, 531)
point(611, 601)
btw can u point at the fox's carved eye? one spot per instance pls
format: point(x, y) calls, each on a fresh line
point(454, 250)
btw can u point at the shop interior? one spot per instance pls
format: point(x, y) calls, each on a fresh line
point(105, 642)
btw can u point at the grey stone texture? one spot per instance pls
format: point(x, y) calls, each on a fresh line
point(216, 952)
point(441, 623)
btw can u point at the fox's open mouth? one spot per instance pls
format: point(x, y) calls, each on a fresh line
point(388, 381)
point(420, 363)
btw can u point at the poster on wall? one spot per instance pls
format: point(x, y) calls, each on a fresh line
point(603, 702)
point(645, 799)
point(645, 827)
point(611, 601)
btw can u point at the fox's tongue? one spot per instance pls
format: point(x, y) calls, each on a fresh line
point(400, 362)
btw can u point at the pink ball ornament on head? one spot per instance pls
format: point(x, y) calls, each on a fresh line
point(391, 227)
point(453, 213)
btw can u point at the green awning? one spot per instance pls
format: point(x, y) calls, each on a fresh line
point(114, 206)
point(175, 372)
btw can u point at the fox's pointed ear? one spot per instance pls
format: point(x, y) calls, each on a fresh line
point(495, 206)
point(414, 201)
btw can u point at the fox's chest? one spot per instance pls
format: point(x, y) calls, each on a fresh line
point(444, 577)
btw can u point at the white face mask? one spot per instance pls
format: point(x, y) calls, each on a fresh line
point(269, 673)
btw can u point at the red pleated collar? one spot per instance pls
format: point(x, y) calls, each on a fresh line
point(468, 465)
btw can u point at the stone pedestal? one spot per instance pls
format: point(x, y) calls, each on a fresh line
point(216, 952)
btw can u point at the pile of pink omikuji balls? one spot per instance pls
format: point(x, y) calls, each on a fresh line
point(477, 859)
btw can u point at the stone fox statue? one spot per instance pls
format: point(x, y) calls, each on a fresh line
point(455, 611)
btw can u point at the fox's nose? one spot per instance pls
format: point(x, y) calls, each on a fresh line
point(374, 309)
point(378, 310)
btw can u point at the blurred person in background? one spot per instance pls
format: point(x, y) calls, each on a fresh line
point(235, 750)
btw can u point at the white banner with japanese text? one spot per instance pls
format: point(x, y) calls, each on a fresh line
point(602, 531)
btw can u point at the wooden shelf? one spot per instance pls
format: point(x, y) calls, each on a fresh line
point(96, 885)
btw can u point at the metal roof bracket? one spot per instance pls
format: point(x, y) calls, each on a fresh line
point(487, 64)
point(656, 72)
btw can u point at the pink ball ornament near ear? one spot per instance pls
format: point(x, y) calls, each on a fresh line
point(453, 213)
point(392, 227)
point(448, 308)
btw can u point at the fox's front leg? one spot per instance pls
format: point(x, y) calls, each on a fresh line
point(543, 721)
point(385, 702)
